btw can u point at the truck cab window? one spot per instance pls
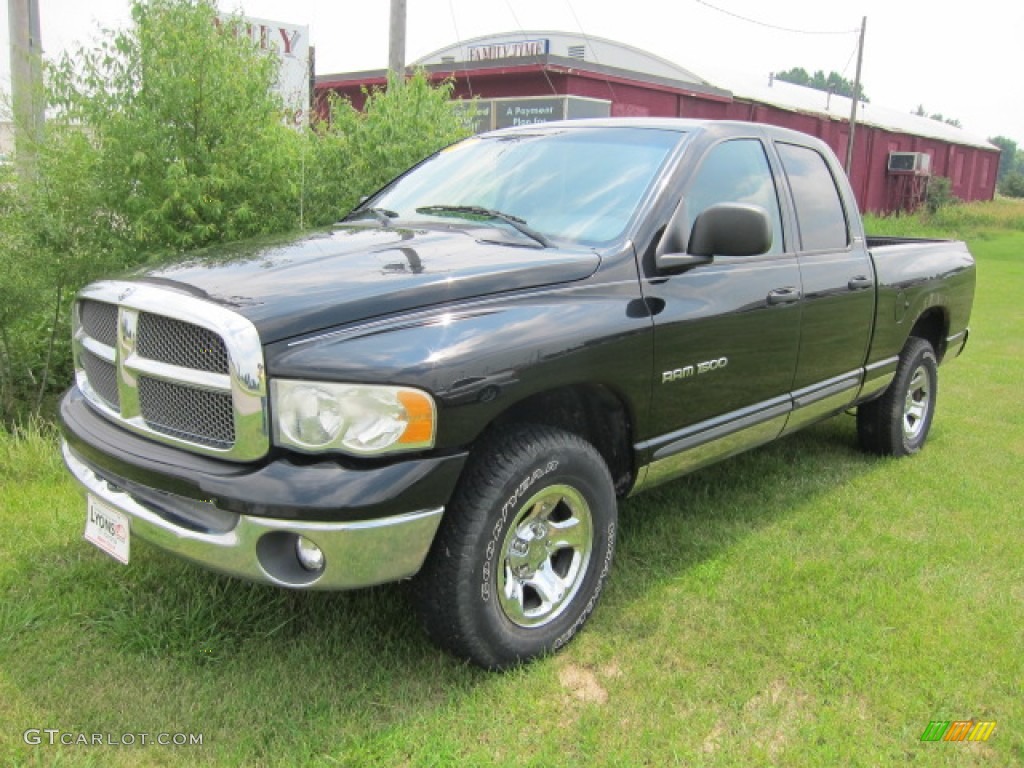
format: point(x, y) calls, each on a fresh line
point(581, 186)
point(819, 210)
point(736, 172)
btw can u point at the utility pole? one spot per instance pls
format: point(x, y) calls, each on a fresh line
point(856, 96)
point(26, 80)
point(396, 40)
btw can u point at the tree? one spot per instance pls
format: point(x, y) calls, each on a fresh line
point(940, 118)
point(165, 137)
point(161, 136)
point(832, 83)
point(353, 153)
point(1012, 184)
point(796, 75)
point(936, 116)
point(1007, 155)
point(190, 147)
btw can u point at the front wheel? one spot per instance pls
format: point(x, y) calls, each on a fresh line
point(897, 423)
point(523, 550)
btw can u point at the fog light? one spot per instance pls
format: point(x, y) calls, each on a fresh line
point(310, 556)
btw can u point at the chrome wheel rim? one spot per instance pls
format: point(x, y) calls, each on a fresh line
point(915, 407)
point(544, 556)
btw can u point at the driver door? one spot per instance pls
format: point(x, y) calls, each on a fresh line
point(726, 338)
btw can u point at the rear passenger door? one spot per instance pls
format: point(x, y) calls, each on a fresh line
point(838, 285)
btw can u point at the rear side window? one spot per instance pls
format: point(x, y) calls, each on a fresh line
point(819, 209)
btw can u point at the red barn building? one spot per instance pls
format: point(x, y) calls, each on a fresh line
point(541, 76)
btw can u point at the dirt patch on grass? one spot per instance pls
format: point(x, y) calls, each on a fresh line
point(768, 719)
point(582, 684)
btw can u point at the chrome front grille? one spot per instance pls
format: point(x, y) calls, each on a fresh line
point(102, 376)
point(176, 368)
point(191, 414)
point(99, 321)
point(172, 341)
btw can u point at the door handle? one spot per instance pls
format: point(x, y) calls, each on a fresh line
point(859, 283)
point(786, 295)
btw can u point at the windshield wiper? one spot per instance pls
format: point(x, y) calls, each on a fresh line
point(383, 215)
point(476, 210)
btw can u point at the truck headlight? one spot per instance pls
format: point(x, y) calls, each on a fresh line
point(358, 419)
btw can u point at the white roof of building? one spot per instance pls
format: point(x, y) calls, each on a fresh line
point(782, 95)
point(596, 50)
point(798, 98)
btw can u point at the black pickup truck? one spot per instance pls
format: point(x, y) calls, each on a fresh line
point(458, 382)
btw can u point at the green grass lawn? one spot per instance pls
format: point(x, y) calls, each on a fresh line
point(800, 605)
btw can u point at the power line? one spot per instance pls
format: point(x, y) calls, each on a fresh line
point(458, 39)
point(776, 26)
point(543, 66)
point(856, 47)
point(593, 49)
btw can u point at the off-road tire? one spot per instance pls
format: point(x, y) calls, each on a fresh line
point(523, 550)
point(898, 422)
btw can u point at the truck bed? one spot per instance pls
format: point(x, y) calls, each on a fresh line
point(883, 241)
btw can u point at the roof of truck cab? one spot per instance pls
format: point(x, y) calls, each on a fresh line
point(678, 124)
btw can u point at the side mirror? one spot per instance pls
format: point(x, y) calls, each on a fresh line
point(725, 229)
point(731, 229)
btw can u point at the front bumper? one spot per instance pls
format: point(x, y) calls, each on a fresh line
point(262, 549)
point(374, 523)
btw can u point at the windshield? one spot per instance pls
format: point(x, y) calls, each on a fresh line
point(581, 185)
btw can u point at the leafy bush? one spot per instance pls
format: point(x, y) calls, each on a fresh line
point(54, 238)
point(1012, 184)
point(190, 148)
point(399, 126)
point(940, 194)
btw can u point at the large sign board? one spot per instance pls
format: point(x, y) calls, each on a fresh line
point(505, 113)
point(512, 49)
point(512, 112)
point(289, 43)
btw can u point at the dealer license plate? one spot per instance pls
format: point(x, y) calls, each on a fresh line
point(108, 529)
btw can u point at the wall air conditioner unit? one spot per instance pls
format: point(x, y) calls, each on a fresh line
point(910, 163)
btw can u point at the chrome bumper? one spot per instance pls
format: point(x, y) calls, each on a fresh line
point(356, 554)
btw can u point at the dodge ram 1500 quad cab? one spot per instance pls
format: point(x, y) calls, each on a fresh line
point(457, 382)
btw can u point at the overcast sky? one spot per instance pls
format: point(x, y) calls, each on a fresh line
point(962, 59)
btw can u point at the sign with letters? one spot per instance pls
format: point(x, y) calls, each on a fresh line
point(489, 114)
point(509, 50)
point(290, 44)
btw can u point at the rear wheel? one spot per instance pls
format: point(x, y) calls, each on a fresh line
point(523, 550)
point(898, 422)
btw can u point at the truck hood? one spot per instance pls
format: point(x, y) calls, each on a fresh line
point(301, 285)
